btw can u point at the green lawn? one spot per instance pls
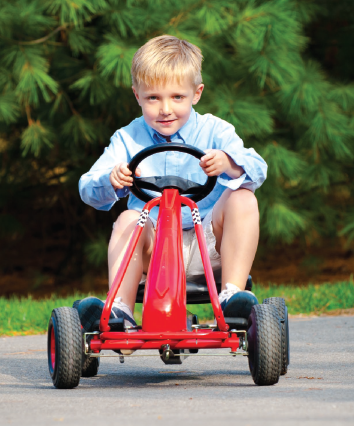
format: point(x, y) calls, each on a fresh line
point(28, 316)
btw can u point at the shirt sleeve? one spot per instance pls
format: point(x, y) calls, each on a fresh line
point(226, 139)
point(94, 186)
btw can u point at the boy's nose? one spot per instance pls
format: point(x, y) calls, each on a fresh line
point(166, 108)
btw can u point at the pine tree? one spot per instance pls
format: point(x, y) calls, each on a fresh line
point(65, 88)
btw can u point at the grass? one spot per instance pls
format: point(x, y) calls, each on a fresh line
point(22, 316)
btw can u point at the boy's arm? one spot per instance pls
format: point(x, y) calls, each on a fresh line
point(236, 166)
point(95, 187)
point(216, 162)
point(121, 176)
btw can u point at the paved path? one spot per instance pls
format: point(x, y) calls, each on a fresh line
point(318, 389)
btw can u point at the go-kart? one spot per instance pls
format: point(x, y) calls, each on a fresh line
point(167, 327)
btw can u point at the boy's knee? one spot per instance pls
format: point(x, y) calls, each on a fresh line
point(242, 200)
point(126, 219)
point(126, 223)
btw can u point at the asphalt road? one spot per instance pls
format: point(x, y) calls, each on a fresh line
point(318, 389)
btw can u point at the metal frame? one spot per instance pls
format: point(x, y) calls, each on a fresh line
point(243, 345)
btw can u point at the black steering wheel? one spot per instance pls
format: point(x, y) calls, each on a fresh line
point(195, 190)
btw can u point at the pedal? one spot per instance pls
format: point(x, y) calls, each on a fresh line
point(116, 324)
point(236, 323)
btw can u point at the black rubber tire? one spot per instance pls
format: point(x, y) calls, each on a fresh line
point(64, 330)
point(89, 365)
point(279, 302)
point(264, 345)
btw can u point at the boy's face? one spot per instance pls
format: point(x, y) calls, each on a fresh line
point(166, 108)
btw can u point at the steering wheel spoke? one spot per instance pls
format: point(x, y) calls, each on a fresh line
point(159, 183)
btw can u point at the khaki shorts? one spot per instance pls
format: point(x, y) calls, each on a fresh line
point(191, 254)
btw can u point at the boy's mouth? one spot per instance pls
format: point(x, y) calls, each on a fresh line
point(166, 122)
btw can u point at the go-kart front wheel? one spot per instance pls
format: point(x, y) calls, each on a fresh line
point(64, 348)
point(264, 345)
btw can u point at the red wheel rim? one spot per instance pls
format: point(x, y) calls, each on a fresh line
point(52, 348)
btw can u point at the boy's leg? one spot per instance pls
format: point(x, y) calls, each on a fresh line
point(236, 229)
point(122, 231)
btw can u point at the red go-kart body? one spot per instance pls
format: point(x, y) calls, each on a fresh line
point(164, 308)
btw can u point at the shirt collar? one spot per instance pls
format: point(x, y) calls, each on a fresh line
point(183, 132)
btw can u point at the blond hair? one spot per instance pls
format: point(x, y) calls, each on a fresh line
point(166, 58)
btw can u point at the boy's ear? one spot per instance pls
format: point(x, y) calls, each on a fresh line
point(136, 94)
point(198, 93)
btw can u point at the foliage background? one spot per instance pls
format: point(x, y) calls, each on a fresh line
point(280, 71)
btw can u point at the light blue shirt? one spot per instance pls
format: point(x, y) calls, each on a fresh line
point(203, 132)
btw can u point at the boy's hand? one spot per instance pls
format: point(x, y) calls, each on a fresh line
point(216, 162)
point(121, 176)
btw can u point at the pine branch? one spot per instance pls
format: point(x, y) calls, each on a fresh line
point(28, 114)
point(68, 100)
point(316, 188)
point(43, 39)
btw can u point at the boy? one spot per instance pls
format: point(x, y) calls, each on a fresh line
point(167, 82)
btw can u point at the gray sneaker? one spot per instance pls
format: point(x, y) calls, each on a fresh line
point(121, 310)
point(90, 311)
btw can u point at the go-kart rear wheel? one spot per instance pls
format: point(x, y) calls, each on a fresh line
point(89, 365)
point(283, 314)
point(64, 348)
point(264, 345)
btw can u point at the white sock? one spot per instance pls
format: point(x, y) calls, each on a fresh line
point(230, 290)
point(118, 303)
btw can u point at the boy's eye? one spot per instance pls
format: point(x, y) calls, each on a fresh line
point(152, 98)
point(179, 97)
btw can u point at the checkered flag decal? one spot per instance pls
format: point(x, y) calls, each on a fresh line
point(196, 217)
point(143, 218)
